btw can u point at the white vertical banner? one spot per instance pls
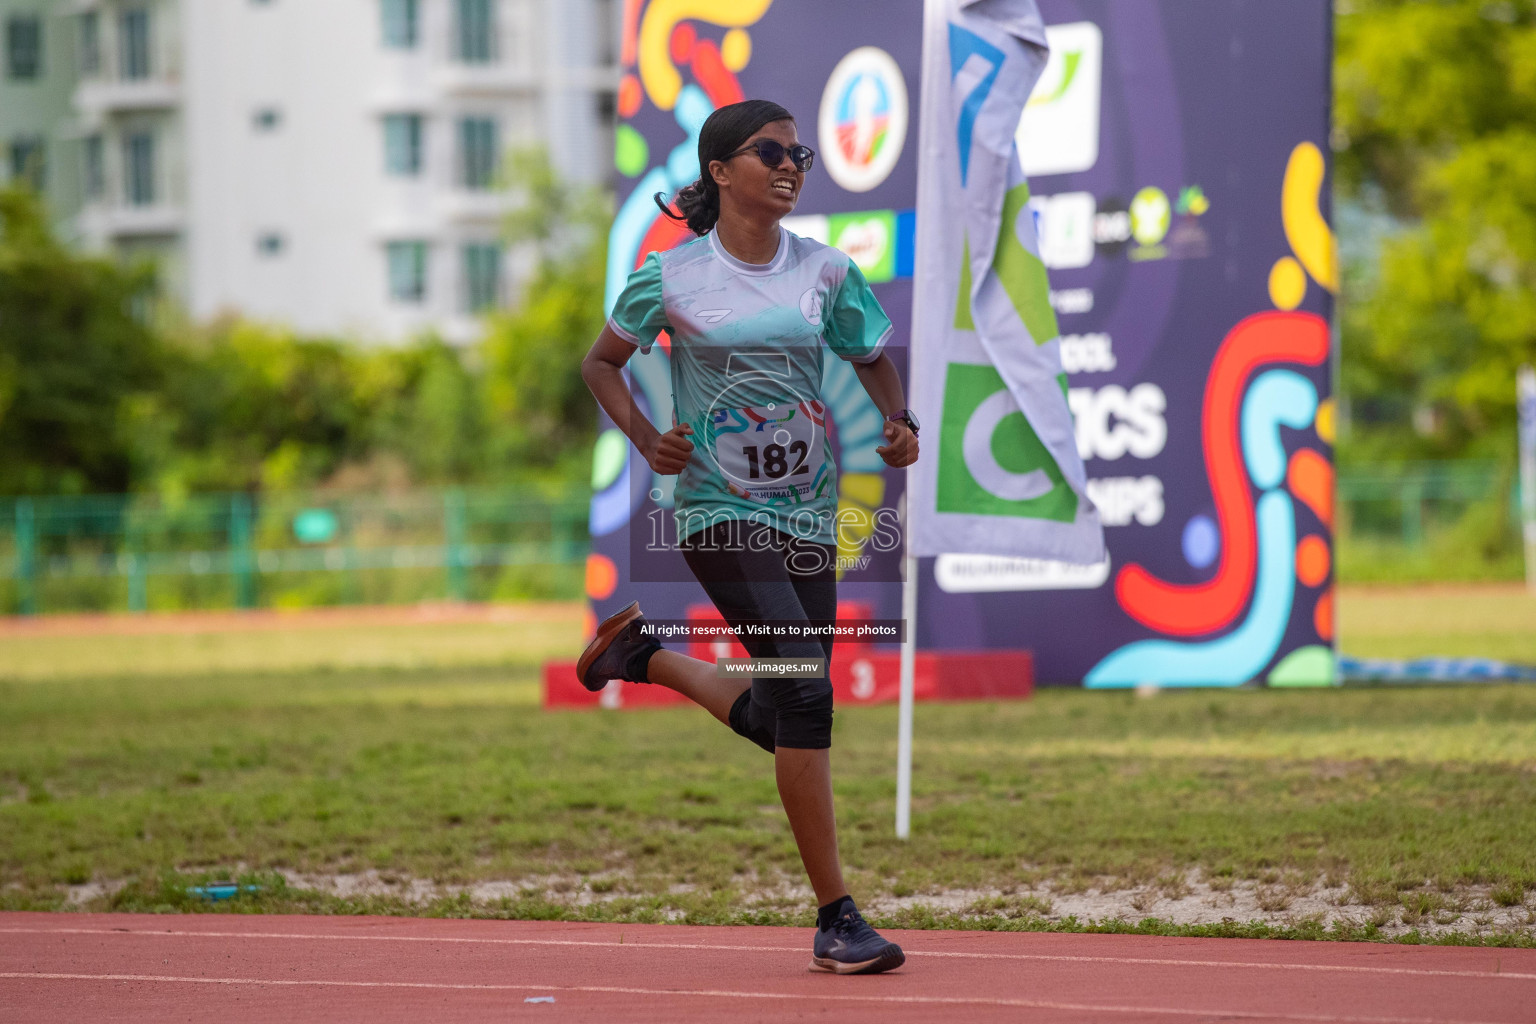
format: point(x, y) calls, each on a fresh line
point(1001, 473)
point(1525, 390)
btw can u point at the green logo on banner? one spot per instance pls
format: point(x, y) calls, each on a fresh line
point(870, 239)
point(990, 461)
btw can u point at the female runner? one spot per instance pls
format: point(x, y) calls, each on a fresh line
point(749, 307)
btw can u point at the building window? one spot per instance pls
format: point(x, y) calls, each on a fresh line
point(270, 244)
point(401, 20)
point(95, 167)
point(408, 271)
point(609, 28)
point(90, 43)
point(477, 152)
point(27, 161)
point(133, 29)
point(267, 119)
point(402, 144)
point(477, 31)
point(139, 168)
point(482, 276)
point(24, 46)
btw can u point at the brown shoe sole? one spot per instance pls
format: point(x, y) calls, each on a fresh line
point(612, 626)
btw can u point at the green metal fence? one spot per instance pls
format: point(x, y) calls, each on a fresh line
point(104, 552)
point(62, 554)
point(1411, 502)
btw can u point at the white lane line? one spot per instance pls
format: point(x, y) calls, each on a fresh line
point(1033, 1004)
point(1040, 957)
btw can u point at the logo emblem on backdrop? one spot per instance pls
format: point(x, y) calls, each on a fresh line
point(1151, 215)
point(1059, 132)
point(862, 124)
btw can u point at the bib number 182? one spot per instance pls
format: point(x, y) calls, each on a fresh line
point(773, 462)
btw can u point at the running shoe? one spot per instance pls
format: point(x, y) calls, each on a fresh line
point(610, 655)
point(851, 946)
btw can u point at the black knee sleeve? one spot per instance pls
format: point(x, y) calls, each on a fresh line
point(805, 716)
point(751, 722)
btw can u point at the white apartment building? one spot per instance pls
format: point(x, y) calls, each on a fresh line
point(332, 165)
point(38, 143)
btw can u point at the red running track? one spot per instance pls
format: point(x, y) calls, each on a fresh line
point(92, 968)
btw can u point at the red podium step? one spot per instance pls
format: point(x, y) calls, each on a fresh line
point(858, 677)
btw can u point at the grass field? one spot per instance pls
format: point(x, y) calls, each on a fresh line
point(408, 768)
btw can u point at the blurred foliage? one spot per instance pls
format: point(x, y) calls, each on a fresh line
point(1436, 136)
point(73, 359)
point(542, 415)
point(93, 398)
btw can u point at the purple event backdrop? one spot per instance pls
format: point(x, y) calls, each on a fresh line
point(1205, 193)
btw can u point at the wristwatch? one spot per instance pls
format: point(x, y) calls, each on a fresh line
point(906, 416)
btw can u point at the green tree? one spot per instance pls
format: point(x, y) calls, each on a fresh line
point(542, 417)
point(246, 407)
point(427, 409)
point(73, 358)
point(1436, 126)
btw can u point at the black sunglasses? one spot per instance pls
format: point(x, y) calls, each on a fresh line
point(771, 153)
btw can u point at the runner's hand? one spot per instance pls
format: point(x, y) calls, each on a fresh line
point(670, 453)
point(902, 447)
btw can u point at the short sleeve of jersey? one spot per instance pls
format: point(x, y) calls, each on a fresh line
point(858, 328)
point(640, 314)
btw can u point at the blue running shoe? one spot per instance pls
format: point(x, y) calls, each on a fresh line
point(851, 946)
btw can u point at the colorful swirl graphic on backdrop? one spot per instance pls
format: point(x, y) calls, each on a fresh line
point(1262, 566)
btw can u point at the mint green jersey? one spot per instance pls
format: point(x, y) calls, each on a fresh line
point(748, 342)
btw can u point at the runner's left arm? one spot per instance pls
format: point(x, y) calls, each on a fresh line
point(883, 383)
point(857, 329)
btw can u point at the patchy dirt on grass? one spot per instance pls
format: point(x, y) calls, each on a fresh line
point(1189, 899)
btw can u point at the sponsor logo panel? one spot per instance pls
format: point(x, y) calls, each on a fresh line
point(869, 239)
point(1064, 225)
point(1059, 132)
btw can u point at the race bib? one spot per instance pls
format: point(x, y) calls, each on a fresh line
point(772, 454)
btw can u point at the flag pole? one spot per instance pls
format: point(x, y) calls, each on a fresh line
point(908, 662)
point(933, 17)
point(1525, 385)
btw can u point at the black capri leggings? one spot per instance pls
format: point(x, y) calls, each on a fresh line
point(754, 572)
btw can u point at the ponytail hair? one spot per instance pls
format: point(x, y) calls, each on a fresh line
point(698, 205)
point(724, 132)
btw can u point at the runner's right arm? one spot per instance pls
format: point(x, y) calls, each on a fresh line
point(603, 372)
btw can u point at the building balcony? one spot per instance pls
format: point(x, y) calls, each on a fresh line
point(459, 79)
point(464, 206)
point(117, 221)
point(442, 213)
point(598, 78)
point(461, 329)
point(107, 96)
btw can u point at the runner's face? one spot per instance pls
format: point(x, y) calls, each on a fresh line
point(756, 187)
